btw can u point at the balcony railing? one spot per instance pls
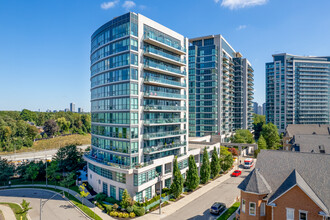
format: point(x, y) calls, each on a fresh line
point(168, 43)
point(165, 94)
point(164, 107)
point(164, 67)
point(163, 54)
point(108, 163)
point(155, 149)
point(163, 134)
point(164, 121)
point(165, 81)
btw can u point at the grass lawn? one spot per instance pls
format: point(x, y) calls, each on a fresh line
point(16, 208)
point(55, 143)
point(74, 200)
point(229, 211)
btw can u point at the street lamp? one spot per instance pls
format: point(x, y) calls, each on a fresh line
point(160, 198)
point(42, 203)
point(94, 208)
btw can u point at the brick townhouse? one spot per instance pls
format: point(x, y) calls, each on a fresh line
point(287, 185)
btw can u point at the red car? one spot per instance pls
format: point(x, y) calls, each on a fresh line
point(236, 173)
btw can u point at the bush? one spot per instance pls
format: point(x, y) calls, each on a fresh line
point(233, 151)
point(132, 215)
point(120, 215)
point(125, 215)
point(166, 190)
point(100, 197)
point(112, 213)
point(139, 211)
point(129, 209)
point(115, 207)
point(111, 200)
point(108, 208)
point(172, 200)
point(115, 214)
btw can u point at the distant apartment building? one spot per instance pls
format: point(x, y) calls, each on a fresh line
point(72, 107)
point(80, 110)
point(220, 88)
point(297, 90)
point(286, 185)
point(139, 107)
point(255, 107)
point(66, 110)
point(264, 109)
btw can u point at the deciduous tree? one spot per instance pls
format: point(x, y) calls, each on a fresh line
point(270, 133)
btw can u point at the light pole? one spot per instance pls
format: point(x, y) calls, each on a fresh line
point(160, 198)
point(42, 203)
point(94, 208)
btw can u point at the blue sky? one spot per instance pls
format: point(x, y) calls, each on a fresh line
point(45, 44)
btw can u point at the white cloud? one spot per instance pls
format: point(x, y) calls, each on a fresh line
point(235, 4)
point(128, 5)
point(142, 7)
point(241, 27)
point(216, 1)
point(107, 5)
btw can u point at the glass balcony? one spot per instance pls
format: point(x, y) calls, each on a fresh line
point(164, 121)
point(163, 134)
point(148, 64)
point(164, 94)
point(164, 81)
point(174, 47)
point(156, 149)
point(164, 108)
point(164, 54)
point(103, 161)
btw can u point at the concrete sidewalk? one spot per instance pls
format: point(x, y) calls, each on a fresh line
point(73, 193)
point(7, 212)
point(175, 206)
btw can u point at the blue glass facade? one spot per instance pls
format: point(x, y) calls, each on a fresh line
point(297, 90)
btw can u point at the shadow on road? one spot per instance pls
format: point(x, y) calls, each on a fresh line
point(35, 193)
point(66, 206)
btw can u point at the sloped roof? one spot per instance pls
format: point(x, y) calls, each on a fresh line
point(295, 129)
point(313, 177)
point(255, 183)
point(312, 143)
point(295, 179)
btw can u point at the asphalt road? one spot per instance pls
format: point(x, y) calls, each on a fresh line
point(54, 209)
point(198, 209)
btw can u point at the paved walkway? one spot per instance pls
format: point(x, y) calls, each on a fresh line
point(175, 206)
point(73, 193)
point(7, 212)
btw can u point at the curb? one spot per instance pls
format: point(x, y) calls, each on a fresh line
point(65, 198)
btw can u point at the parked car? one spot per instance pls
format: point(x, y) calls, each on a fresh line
point(236, 173)
point(217, 208)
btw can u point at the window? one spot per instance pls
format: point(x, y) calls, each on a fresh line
point(105, 188)
point(138, 197)
point(262, 209)
point(148, 193)
point(121, 191)
point(289, 214)
point(113, 192)
point(252, 208)
point(302, 215)
point(243, 205)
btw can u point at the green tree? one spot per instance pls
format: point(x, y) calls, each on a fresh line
point(63, 124)
point(215, 163)
point(28, 115)
point(32, 171)
point(226, 159)
point(69, 158)
point(177, 184)
point(7, 170)
point(243, 136)
point(270, 133)
point(205, 168)
point(262, 143)
point(126, 200)
point(69, 180)
point(83, 193)
point(192, 180)
point(53, 173)
point(258, 122)
point(51, 127)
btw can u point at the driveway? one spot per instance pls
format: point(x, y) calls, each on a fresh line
point(54, 209)
point(198, 209)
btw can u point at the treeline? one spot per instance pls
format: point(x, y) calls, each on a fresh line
point(16, 132)
point(62, 169)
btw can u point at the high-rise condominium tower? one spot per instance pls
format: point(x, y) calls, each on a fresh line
point(220, 88)
point(139, 106)
point(297, 90)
